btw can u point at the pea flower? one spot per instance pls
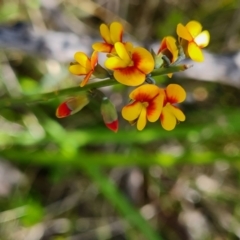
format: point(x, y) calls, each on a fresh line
point(130, 65)
point(72, 105)
point(109, 114)
point(193, 39)
point(146, 105)
point(84, 66)
point(110, 35)
point(169, 49)
point(171, 114)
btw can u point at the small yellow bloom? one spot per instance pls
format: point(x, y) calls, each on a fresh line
point(168, 48)
point(84, 65)
point(193, 39)
point(171, 114)
point(130, 65)
point(110, 35)
point(146, 104)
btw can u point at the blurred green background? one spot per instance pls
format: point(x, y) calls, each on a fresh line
point(74, 179)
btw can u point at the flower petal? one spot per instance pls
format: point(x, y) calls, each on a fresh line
point(163, 45)
point(122, 52)
point(85, 80)
point(195, 52)
point(94, 59)
point(168, 120)
point(142, 120)
point(171, 45)
point(116, 32)
point(175, 93)
point(143, 60)
point(83, 60)
point(194, 28)
point(183, 32)
point(105, 33)
point(113, 63)
point(155, 108)
point(131, 111)
point(129, 76)
point(102, 47)
point(177, 113)
point(202, 40)
point(77, 69)
point(144, 93)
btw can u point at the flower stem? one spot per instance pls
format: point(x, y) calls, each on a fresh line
point(44, 97)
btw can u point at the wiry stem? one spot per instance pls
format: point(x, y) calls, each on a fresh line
point(44, 97)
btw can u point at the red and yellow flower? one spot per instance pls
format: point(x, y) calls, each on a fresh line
point(146, 105)
point(130, 65)
point(193, 39)
point(170, 114)
point(110, 35)
point(169, 49)
point(84, 66)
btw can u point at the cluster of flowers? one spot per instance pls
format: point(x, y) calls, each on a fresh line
point(133, 66)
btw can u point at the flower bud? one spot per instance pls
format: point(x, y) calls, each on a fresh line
point(109, 114)
point(100, 72)
point(72, 105)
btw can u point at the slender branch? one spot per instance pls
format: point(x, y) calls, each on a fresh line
point(44, 97)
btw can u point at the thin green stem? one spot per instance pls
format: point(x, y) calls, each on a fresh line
point(44, 97)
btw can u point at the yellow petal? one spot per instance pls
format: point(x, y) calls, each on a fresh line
point(129, 76)
point(85, 80)
point(142, 120)
point(183, 32)
point(131, 111)
point(144, 93)
point(194, 28)
point(202, 40)
point(105, 33)
point(154, 108)
point(171, 45)
point(143, 60)
point(128, 46)
point(168, 120)
point(102, 47)
point(116, 32)
point(77, 69)
point(113, 63)
point(195, 52)
point(122, 52)
point(83, 60)
point(177, 113)
point(175, 93)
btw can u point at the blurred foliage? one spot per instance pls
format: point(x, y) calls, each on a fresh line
point(74, 179)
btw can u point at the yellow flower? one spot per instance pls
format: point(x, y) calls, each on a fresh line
point(170, 114)
point(168, 48)
point(146, 105)
point(130, 65)
point(84, 65)
point(110, 35)
point(193, 39)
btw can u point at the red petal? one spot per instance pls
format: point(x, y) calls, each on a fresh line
point(113, 126)
point(63, 110)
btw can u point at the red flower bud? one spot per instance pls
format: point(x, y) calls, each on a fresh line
point(72, 105)
point(109, 114)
